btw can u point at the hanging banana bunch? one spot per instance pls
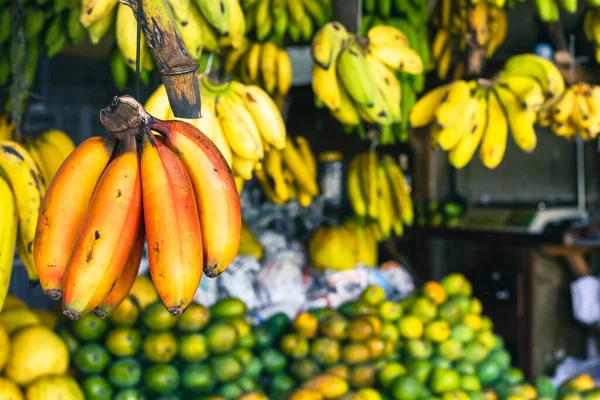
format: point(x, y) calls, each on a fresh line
point(466, 115)
point(355, 77)
point(577, 111)
point(411, 19)
point(378, 192)
point(282, 21)
point(263, 64)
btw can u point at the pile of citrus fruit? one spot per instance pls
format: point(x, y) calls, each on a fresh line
point(33, 358)
point(143, 352)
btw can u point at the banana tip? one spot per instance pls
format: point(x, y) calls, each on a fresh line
point(212, 272)
point(54, 294)
point(100, 313)
point(175, 311)
point(72, 314)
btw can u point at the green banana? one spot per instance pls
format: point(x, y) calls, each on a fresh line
point(54, 31)
point(385, 8)
point(264, 22)
point(280, 21)
point(353, 72)
point(118, 69)
point(75, 30)
point(57, 46)
point(216, 13)
point(32, 56)
point(34, 22)
point(369, 6)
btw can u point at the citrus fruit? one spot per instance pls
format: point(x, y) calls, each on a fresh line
point(157, 318)
point(488, 371)
point(325, 350)
point(390, 372)
point(127, 313)
point(376, 347)
point(281, 385)
point(450, 349)
point(474, 321)
point(359, 330)
point(474, 352)
point(373, 295)
point(194, 319)
point(419, 349)
point(129, 394)
point(10, 390)
point(95, 387)
point(125, 373)
point(89, 328)
point(340, 370)
point(4, 346)
point(197, 378)
point(362, 376)
point(434, 292)
point(254, 368)
point(470, 383)
point(475, 307)
point(410, 327)
point(221, 338)
point(439, 361)
point(161, 378)
point(226, 368)
point(424, 309)
point(243, 355)
point(407, 387)
point(486, 323)
point(143, 291)
point(390, 310)
point(306, 324)
point(437, 331)
point(462, 333)
point(230, 390)
point(294, 345)
point(355, 353)
point(456, 284)
point(242, 328)
point(421, 369)
point(449, 312)
point(334, 326)
point(228, 308)
point(54, 387)
point(193, 347)
point(444, 380)
point(123, 341)
point(160, 346)
point(389, 332)
point(465, 368)
point(455, 395)
point(304, 369)
point(91, 358)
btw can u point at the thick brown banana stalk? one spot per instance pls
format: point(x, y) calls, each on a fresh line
point(176, 66)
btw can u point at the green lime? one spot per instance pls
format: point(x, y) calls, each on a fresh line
point(230, 391)
point(157, 318)
point(221, 338)
point(545, 387)
point(95, 387)
point(228, 308)
point(450, 312)
point(197, 378)
point(193, 348)
point(489, 371)
point(248, 341)
point(226, 368)
point(474, 352)
point(68, 338)
point(390, 310)
point(273, 361)
point(470, 383)
point(294, 345)
point(450, 349)
point(127, 313)
point(125, 373)
point(463, 303)
point(514, 376)
point(160, 346)
point(89, 328)
point(325, 350)
point(465, 368)
point(424, 309)
point(462, 333)
point(277, 323)
point(281, 385)
point(421, 369)
point(247, 384)
point(161, 378)
point(263, 337)
point(389, 332)
point(501, 357)
point(91, 358)
point(438, 361)
point(194, 319)
point(254, 368)
point(373, 295)
point(417, 348)
point(390, 372)
point(444, 380)
point(242, 328)
point(407, 387)
point(129, 394)
point(123, 342)
point(243, 355)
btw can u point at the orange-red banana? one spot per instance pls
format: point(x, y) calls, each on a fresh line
point(107, 233)
point(215, 189)
point(124, 282)
point(63, 209)
point(172, 225)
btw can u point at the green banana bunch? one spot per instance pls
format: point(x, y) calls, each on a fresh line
point(278, 20)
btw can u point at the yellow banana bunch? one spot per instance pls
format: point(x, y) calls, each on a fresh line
point(243, 122)
point(576, 112)
point(356, 78)
point(286, 20)
point(456, 20)
point(49, 150)
point(466, 114)
point(378, 192)
point(266, 65)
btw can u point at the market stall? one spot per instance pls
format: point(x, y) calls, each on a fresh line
point(299, 199)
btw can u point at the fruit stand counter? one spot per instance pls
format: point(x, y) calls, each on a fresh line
point(522, 281)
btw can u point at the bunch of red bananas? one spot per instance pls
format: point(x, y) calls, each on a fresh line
point(163, 182)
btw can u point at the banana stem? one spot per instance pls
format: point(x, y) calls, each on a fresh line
point(176, 66)
point(125, 116)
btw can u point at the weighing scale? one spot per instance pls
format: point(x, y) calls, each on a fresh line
point(532, 221)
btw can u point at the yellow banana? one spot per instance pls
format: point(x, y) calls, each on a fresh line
point(423, 112)
point(463, 152)
point(273, 166)
point(8, 236)
point(284, 72)
point(294, 162)
point(520, 121)
point(327, 44)
point(354, 188)
point(268, 66)
point(493, 144)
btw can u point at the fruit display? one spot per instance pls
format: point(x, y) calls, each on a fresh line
point(410, 18)
point(576, 112)
point(24, 171)
point(461, 24)
point(435, 344)
point(344, 247)
point(48, 26)
point(203, 25)
point(142, 351)
point(465, 115)
point(290, 173)
point(286, 20)
point(354, 77)
point(263, 64)
point(378, 192)
point(33, 359)
point(174, 191)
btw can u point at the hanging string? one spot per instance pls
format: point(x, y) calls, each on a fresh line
point(138, 50)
